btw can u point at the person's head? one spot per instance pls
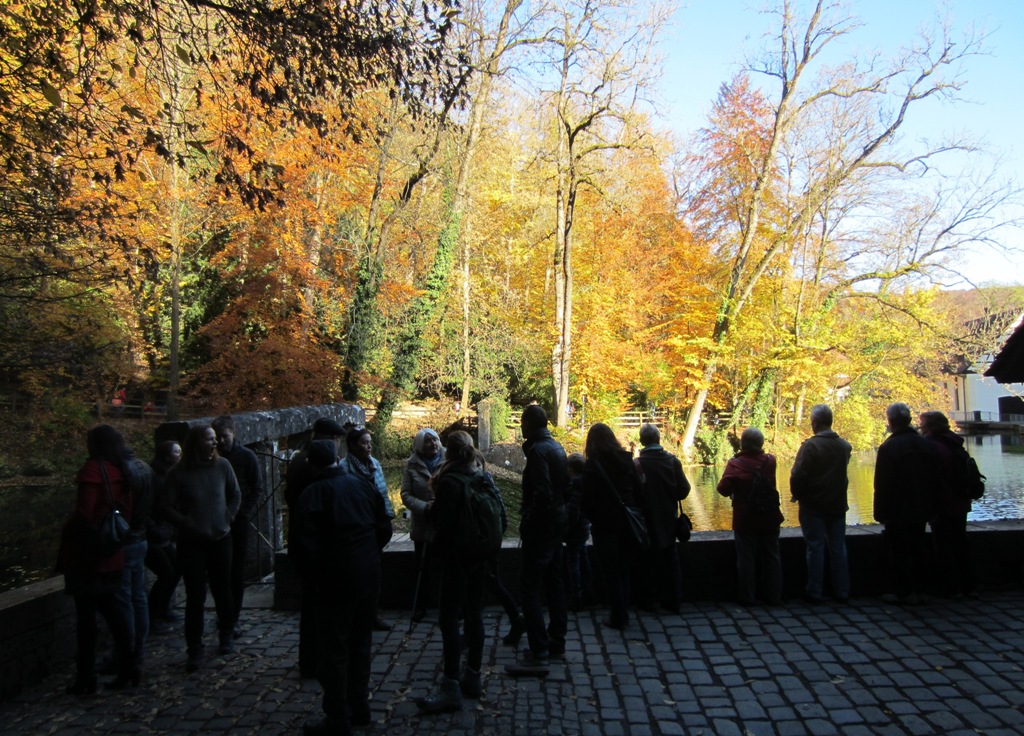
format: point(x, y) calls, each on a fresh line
point(322, 453)
point(200, 445)
point(821, 417)
point(933, 422)
point(576, 462)
point(649, 435)
point(360, 443)
point(897, 416)
point(534, 420)
point(460, 449)
point(103, 442)
point(751, 440)
point(601, 439)
point(328, 429)
point(426, 443)
point(168, 453)
point(224, 428)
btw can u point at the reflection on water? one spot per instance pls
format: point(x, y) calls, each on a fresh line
point(1000, 457)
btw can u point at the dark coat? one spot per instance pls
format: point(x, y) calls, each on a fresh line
point(818, 479)
point(341, 528)
point(736, 483)
point(665, 485)
point(250, 479)
point(908, 479)
point(545, 484)
point(599, 502)
point(954, 501)
point(77, 556)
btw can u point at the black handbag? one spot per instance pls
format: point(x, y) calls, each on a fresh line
point(110, 535)
point(635, 522)
point(684, 526)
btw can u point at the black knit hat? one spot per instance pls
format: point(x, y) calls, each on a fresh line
point(322, 453)
point(328, 428)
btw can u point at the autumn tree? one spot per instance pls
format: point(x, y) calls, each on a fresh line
point(826, 133)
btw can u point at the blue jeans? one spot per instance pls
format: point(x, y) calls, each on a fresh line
point(131, 597)
point(821, 531)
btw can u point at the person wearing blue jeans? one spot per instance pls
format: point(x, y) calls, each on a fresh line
point(819, 484)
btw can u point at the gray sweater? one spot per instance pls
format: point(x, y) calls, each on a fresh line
point(202, 500)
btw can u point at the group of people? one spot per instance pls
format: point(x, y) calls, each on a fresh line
point(188, 516)
point(919, 481)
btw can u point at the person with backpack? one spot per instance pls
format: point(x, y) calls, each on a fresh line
point(466, 515)
point(949, 526)
point(749, 480)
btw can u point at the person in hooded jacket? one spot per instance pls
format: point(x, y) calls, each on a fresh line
point(610, 479)
point(756, 531)
point(818, 482)
point(427, 457)
point(949, 527)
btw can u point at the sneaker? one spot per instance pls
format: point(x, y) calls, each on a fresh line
point(380, 624)
point(533, 667)
point(227, 644)
point(553, 653)
point(471, 684)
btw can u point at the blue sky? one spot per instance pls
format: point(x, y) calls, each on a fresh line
point(710, 39)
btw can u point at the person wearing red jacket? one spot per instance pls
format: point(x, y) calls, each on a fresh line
point(756, 529)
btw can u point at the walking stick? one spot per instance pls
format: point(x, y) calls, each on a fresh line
point(419, 581)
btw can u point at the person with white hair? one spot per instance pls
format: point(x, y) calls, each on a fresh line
point(427, 456)
point(749, 480)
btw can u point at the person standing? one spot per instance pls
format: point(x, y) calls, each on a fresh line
point(361, 463)
point(749, 479)
point(427, 457)
point(340, 529)
point(908, 485)
point(138, 478)
point(161, 552)
point(541, 529)
point(301, 472)
point(665, 485)
point(463, 574)
point(92, 574)
point(202, 499)
point(949, 527)
point(250, 482)
point(819, 482)
point(611, 480)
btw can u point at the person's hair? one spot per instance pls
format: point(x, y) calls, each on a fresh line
point(163, 452)
point(898, 415)
point(190, 447)
point(535, 417)
point(576, 463)
point(821, 414)
point(223, 422)
point(601, 439)
point(649, 435)
point(421, 438)
point(459, 452)
point(751, 439)
point(934, 421)
point(103, 442)
point(353, 437)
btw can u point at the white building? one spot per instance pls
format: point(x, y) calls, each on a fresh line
point(973, 396)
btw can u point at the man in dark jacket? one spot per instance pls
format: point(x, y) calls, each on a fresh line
point(132, 595)
point(665, 485)
point(250, 481)
point(949, 527)
point(341, 528)
point(541, 527)
point(300, 474)
point(819, 482)
point(908, 484)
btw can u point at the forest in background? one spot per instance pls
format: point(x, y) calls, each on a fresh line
point(239, 205)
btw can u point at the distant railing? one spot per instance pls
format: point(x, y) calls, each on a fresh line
point(969, 417)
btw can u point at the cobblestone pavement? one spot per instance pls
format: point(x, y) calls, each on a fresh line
point(864, 668)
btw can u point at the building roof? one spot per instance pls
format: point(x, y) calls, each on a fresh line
point(1008, 366)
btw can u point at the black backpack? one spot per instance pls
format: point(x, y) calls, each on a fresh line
point(762, 494)
point(479, 528)
point(969, 479)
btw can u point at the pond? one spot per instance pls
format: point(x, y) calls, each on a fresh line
point(31, 515)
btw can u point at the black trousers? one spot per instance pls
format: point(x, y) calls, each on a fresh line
point(205, 561)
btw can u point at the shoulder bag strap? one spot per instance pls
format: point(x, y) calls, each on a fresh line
point(608, 480)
